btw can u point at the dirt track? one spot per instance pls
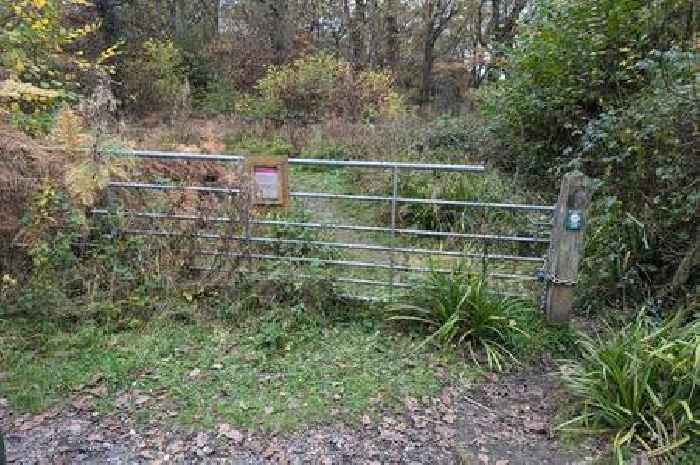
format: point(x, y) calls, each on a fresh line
point(498, 422)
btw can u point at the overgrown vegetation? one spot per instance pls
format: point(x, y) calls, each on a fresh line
point(639, 384)
point(315, 87)
point(532, 88)
point(610, 88)
point(458, 309)
point(277, 369)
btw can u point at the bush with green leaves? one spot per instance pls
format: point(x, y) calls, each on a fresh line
point(608, 88)
point(218, 97)
point(457, 139)
point(645, 156)
point(640, 384)
point(316, 86)
point(458, 309)
point(618, 257)
point(573, 60)
point(156, 78)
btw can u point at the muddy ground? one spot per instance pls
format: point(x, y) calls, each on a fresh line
point(496, 421)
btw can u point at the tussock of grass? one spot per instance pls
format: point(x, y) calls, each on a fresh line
point(639, 384)
point(458, 309)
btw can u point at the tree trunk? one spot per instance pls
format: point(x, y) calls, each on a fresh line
point(3, 456)
point(429, 38)
point(374, 26)
point(428, 59)
point(106, 11)
point(357, 34)
point(180, 19)
point(278, 28)
point(172, 18)
point(391, 53)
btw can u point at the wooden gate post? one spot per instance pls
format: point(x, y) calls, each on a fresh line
point(3, 455)
point(566, 249)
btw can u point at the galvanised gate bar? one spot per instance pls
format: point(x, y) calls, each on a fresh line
point(487, 250)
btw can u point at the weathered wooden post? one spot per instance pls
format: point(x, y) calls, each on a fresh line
point(3, 456)
point(567, 245)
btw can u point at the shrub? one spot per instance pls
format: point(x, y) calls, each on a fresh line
point(617, 264)
point(301, 242)
point(316, 86)
point(605, 87)
point(640, 384)
point(155, 78)
point(573, 60)
point(325, 148)
point(45, 57)
point(459, 309)
point(457, 139)
point(258, 145)
point(218, 97)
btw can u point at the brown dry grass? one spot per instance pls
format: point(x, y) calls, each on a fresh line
point(23, 164)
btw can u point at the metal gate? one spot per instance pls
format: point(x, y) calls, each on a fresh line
point(366, 241)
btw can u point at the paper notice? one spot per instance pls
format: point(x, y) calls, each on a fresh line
point(267, 180)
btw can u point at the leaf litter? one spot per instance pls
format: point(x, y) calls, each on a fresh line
point(494, 422)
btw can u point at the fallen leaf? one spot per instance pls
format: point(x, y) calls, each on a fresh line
point(445, 396)
point(147, 454)
point(176, 447)
point(99, 391)
point(229, 432)
point(83, 402)
point(445, 432)
point(271, 450)
point(95, 437)
point(201, 439)
point(391, 435)
point(96, 379)
point(419, 421)
point(535, 426)
point(76, 426)
point(411, 404)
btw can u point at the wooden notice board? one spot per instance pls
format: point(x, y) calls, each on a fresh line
point(269, 175)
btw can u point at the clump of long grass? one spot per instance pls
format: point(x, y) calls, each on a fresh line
point(459, 309)
point(639, 384)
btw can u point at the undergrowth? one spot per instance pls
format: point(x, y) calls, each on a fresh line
point(459, 310)
point(639, 384)
point(275, 369)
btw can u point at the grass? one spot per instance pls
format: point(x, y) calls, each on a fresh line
point(216, 373)
point(639, 384)
point(458, 309)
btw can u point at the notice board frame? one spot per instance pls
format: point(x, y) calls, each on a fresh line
point(277, 163)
